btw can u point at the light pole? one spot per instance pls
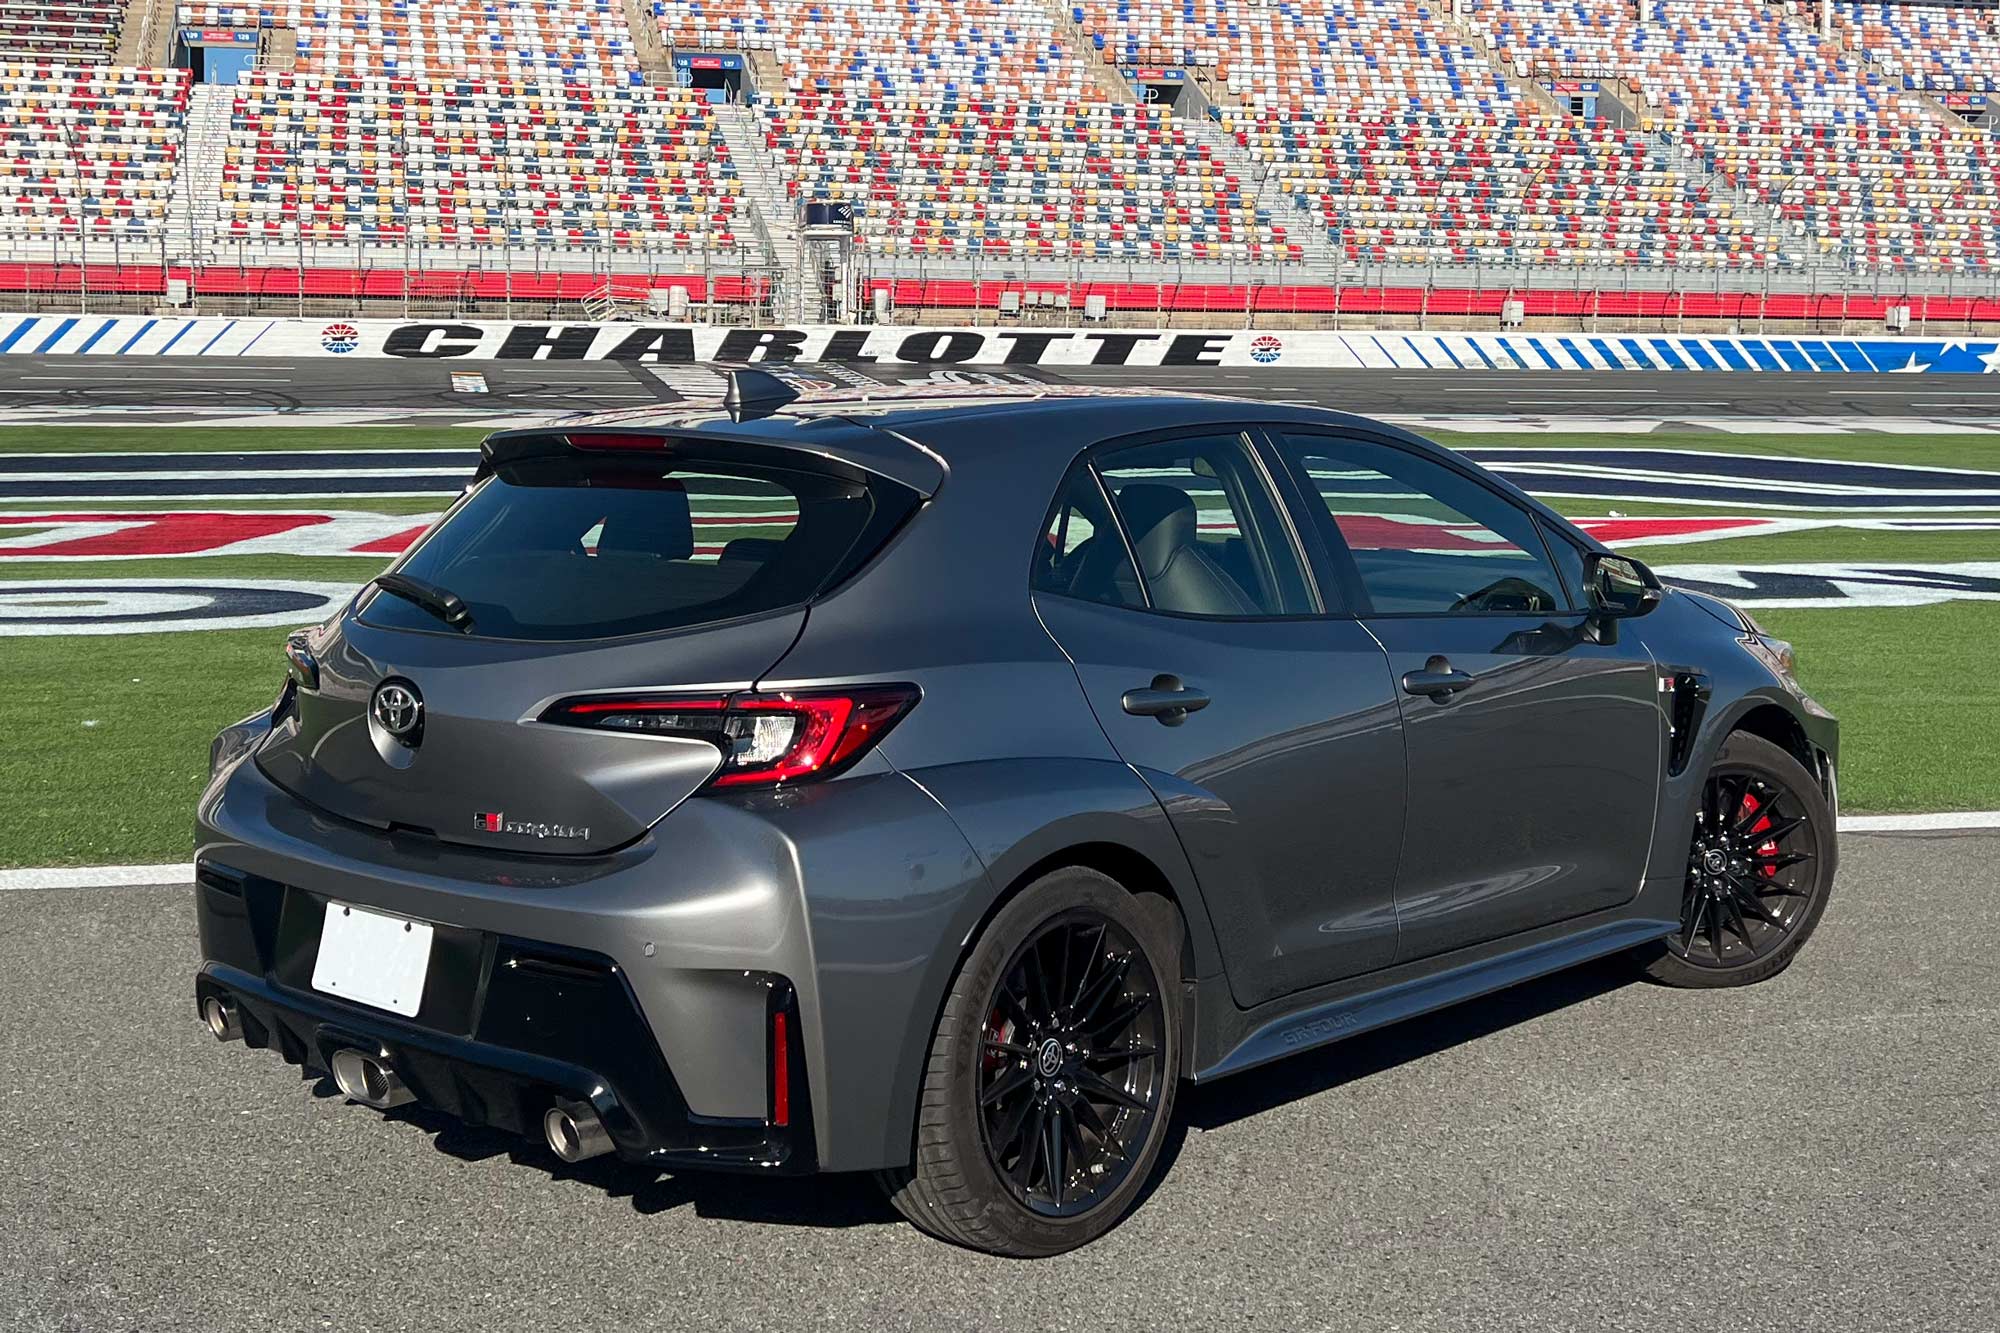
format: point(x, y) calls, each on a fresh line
point(82, 229)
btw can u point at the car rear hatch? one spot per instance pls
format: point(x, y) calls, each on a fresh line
point(578, 564)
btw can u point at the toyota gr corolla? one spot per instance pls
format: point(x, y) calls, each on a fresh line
point(933, 789)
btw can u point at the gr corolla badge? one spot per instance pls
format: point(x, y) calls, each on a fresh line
point(931, 789)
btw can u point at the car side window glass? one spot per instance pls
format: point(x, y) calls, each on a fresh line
point(1079, 553)
point(1569, 563)
point(1425, 539)
point(1200, 517)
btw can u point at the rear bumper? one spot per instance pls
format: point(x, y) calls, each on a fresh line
point(508, 1028)
point(854, 893)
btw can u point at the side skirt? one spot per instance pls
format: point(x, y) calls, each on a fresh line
point(1321, 1024)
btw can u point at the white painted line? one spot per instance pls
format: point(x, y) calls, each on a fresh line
point(1950, 819)
point(96, 877)
point(105, 877)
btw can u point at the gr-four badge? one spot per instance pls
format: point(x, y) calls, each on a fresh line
point(497, 822)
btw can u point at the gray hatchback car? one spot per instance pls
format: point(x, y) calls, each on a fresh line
point(931, 788)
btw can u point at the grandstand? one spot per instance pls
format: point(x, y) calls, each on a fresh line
point(1271, 156)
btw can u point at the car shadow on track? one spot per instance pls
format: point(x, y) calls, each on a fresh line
point(853, 1199)
point(1213, 1105)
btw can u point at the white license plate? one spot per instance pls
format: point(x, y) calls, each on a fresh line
point(373, 959)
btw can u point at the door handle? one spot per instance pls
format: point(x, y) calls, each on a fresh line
point(1438, 681)
point(1165, 699)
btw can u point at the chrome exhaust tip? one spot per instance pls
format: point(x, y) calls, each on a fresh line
point(222, 1018)
point(574, 1132)
point(369, 1081)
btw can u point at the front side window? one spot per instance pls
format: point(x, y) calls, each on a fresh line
point(1424, 538)
point(1205, 529)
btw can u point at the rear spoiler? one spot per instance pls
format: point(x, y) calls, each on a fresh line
point(835, 445)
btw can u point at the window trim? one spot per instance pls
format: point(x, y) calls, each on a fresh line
point(1248, 439)
point(1342, 555)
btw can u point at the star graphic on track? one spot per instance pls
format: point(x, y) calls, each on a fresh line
point(1909, 368)
point(1992, 360)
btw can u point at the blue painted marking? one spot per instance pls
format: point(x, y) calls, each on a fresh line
point(1535, 346)
point(1417, 354)
point(132, 341)
point(1668, 353)
point(1790, 354)
point(57, 336)
point(1729, 356)
point(1848, 353)
point(1637, 351)
point(1575, 354)
point(1821, 356)
point(1759, 350)
point(91, 341)
point(218, 337)
point(259, 338)
point(185, 329)
point(1603, 348)
point(1479, 351)
point(20, 331)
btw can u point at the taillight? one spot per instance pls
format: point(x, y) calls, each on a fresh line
point(766, 739)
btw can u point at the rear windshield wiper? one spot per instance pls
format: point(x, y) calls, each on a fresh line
point(440, 602)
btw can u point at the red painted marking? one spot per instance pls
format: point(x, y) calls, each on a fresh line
point(1369, 532)
point(1613, 530)
point(152, 534)
point(394, 545)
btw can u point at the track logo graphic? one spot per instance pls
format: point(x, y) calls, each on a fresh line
point(1265, 350)
point(340, 339)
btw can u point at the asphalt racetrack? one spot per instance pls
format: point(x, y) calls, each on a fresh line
point(1585, 1152)
point(36, 383)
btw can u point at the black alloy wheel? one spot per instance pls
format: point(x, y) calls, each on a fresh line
point(1759, 869)
point(1049, 1090)
point(1750, 876)
point(1069, 1081)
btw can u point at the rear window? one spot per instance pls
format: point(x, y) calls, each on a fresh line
point(580, 547)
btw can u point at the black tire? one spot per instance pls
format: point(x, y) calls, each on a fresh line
point(1723, 941)
point(955, 1188)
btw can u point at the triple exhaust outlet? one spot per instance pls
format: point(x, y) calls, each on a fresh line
point(369, 1081)
point(574, 1131)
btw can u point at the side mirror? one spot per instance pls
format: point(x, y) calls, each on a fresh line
point(1619, 586)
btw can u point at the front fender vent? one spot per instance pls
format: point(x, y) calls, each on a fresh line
point(1687, 694)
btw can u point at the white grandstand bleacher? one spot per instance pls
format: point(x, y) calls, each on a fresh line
point(567, 41)
point(1384, 133)
point(70, 32)
point(968, 51)
point(378, 161)
point(88, 150)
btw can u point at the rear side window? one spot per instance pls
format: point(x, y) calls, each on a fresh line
point(1196, 512)
point(576, 547)
point(1081, 553)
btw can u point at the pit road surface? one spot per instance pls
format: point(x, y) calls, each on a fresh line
point(1818, 1153)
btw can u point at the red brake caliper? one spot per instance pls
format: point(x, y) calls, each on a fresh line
point(999, 1027)
point(1768, 849)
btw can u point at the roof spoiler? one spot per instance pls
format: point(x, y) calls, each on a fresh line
point(754, 394)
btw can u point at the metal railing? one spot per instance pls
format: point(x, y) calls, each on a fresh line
point(419, 279)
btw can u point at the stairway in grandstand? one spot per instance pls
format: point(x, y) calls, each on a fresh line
point(775, 214)
point(197, 197)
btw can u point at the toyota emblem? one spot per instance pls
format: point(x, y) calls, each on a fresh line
point(399, 708)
